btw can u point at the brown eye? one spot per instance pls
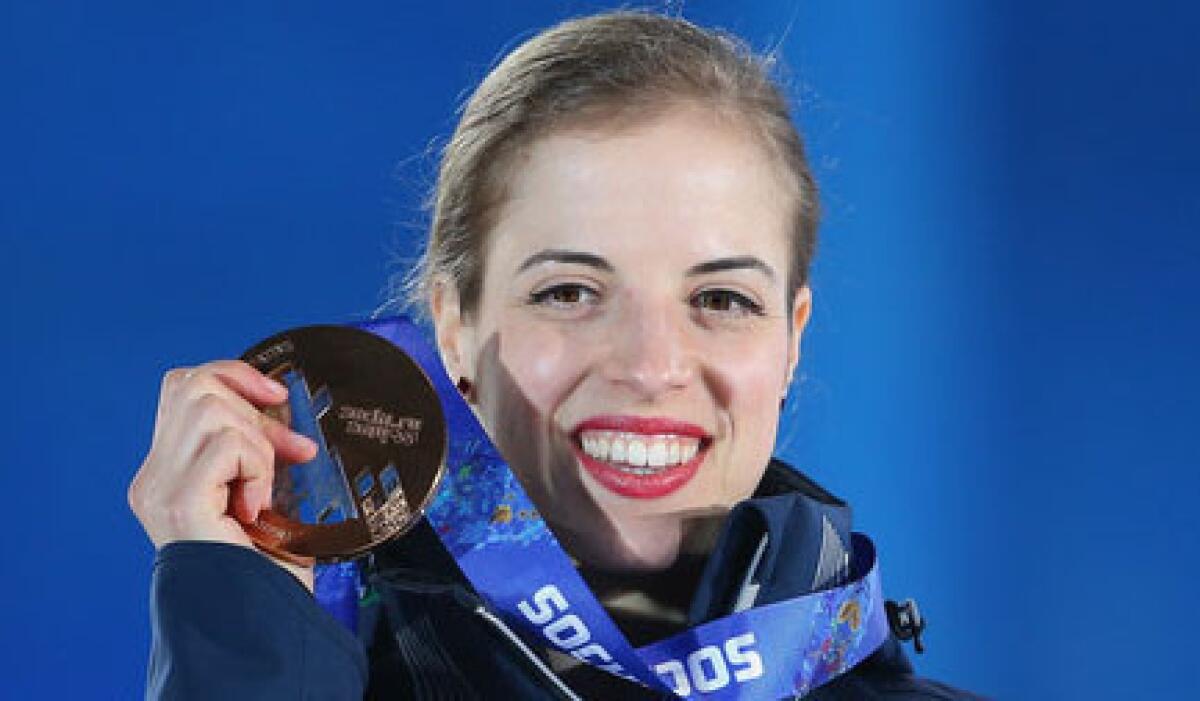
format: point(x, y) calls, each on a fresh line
point(565, 295)
point(725, 302)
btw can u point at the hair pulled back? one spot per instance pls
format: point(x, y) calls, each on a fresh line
point(597, 71)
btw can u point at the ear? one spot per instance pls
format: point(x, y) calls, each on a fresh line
point(455, 335)
point(801, 309)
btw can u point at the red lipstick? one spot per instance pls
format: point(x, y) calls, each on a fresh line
point(652, 485)
point(648, 425)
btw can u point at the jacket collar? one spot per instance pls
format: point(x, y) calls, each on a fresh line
point(790, 539)
point(801, 529)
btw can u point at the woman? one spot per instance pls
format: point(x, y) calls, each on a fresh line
point(617, 276)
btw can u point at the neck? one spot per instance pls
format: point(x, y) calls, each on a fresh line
point(652, 605)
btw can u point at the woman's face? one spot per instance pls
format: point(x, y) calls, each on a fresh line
point(631, 345)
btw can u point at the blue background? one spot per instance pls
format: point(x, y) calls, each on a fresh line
point(1000, 371)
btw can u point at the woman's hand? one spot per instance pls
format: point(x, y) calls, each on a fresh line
point(211, 462)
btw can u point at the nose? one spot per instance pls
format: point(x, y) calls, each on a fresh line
point(651, 350)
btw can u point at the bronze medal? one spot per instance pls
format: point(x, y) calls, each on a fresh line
point(378, 423)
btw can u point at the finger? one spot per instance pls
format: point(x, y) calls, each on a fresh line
point(217, 408)
point(184, 401)
point(239, 505)
point(170, 382)
point(207, 415)
point(245, 501)
point(234, 466)
point(169, 401)
point(246, 381)
point(290, 446)
point(206, 392)
point(195, 508)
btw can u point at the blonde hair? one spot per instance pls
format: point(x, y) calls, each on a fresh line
point(616, 66)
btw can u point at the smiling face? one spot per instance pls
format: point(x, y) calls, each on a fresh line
point(632, 341)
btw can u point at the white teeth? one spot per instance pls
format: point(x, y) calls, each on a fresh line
point(639, 453)
point(617, 452)
point(656, 454)
point(602, 445)
point(636, 453)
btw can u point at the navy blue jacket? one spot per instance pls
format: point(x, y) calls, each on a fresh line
point(228, 623)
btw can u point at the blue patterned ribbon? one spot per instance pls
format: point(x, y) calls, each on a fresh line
point(503, 546)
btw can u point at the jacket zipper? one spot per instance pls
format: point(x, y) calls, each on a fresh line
point(467, 599)
point(495, 622)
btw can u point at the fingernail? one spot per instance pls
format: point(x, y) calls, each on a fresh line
point(276, 387)
point(304, 442)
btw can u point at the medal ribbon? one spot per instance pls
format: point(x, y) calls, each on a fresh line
point(503, 546)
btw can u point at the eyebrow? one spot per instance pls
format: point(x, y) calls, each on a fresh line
point(733, 263)
point(555, 255)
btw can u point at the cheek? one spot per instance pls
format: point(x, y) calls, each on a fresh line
point(754, 368)
point(526, 371)
point(754, 415)
point(543, 362)
point(755, 377)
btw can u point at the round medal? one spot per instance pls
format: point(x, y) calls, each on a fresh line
point(381, 439)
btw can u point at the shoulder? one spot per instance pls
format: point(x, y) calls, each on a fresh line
point(887, 676)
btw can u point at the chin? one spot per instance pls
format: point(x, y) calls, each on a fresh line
point(632, 548)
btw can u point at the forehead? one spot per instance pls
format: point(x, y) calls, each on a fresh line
point(687, 183)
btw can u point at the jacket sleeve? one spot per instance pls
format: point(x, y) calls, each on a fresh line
point(227, 623)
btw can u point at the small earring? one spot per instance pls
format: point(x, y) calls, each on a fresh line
point(465, 388)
